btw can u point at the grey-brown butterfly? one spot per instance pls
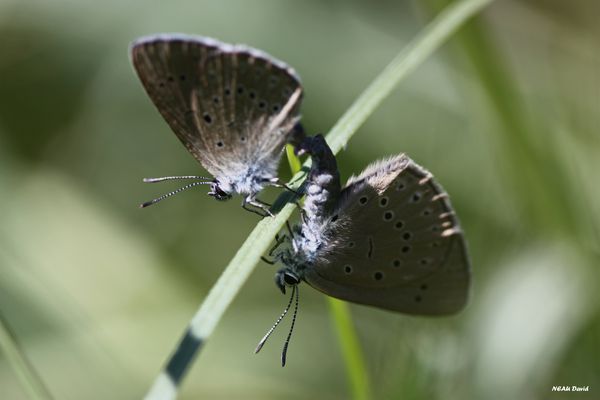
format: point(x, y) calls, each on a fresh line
point(389, 239)
point(233, 107)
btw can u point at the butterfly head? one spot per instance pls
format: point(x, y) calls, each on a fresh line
point(285, 277)
point(219, 191)
point(292, 272)
point(244, 180)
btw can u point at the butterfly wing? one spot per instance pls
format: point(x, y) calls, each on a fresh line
point(231, 106)
point(398, 243)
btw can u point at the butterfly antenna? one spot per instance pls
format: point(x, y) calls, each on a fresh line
point(174, 192)
point(172, 178)
point(264, 339)
point(289, 336)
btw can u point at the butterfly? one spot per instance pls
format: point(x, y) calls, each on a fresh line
point(389, 239)
point(233, 107)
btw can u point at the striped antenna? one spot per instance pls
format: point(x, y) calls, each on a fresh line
point(165, 387)
point(172, 178)
point(289, 336)
point(174, 192)
point(285, 311)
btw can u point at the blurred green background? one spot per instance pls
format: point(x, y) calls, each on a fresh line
point(97, 291)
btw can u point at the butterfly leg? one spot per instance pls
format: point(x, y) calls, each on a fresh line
point(290, 231)
point(265, 259)
point(262, 202)
point(246, 207)
point(303, 217)
point(258, 205)
point(262, 205)
point(278, 241)
point(275, 182)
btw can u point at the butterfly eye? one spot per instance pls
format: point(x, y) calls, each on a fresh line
point(219, 193)
point(290, 279)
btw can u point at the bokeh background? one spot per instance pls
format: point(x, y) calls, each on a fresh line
point(97, 291)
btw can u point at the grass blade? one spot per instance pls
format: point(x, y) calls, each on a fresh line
point(351, 351)
point(31, 382)
point(293, 161)
point(422, 46)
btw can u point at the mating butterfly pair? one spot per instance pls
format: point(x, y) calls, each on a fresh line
point(389, 238)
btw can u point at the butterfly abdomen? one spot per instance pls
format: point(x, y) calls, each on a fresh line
point(323, 183)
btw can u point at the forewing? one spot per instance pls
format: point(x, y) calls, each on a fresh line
point(231, 106)
point(399, 245)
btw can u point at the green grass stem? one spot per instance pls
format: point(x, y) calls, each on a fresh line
point(31, 382)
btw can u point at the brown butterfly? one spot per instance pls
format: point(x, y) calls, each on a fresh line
point(233, 107)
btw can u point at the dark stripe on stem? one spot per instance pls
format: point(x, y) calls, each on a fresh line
point(184, 355)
